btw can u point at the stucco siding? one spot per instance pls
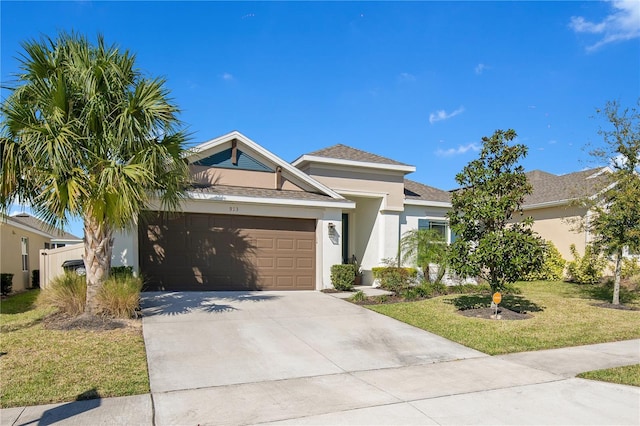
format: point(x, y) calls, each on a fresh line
point(11, 254)
point(246, 178)
point(557, 224)
point(345, 181)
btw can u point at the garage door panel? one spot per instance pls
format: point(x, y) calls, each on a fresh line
point(285, 263)
point(265, 262)
point(224, 252)
point(285, 243)
point(264, 243)
point(305, 245)
point(304, 263)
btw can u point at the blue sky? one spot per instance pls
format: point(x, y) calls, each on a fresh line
point(419, 82)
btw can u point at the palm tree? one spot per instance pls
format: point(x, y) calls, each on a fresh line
point(424, 247)
point(85, 134)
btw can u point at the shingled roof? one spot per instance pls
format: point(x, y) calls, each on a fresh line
point(343, 152)
point(417, 191)
point(35, 223)
point(548, 188)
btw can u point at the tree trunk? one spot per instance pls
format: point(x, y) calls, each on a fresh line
point(616, 280)
point(98, 246)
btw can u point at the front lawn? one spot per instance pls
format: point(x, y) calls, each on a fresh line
point(629, 375)
point(40, 366)
point(563, 314)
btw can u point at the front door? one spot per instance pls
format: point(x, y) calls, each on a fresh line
point(345, 238)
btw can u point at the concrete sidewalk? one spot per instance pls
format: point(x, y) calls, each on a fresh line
point(486, 390)
point(312, 359)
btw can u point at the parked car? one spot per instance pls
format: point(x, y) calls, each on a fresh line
point(75, 265)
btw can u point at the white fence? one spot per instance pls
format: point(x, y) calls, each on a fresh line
point(51, 261)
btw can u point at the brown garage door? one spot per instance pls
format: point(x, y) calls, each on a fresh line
point(195, 251)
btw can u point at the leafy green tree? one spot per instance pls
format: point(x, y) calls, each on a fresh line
point(615, 222)
point(85, 134)
point(490, 242)
point(425, 247)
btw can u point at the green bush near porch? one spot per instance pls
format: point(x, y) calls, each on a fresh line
point(343, 276)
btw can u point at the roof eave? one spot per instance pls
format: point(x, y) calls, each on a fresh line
point(427, 203)
point(305, 159)
point(555, 203)
point(346, 204)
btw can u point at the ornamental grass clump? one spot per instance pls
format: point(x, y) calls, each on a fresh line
point(66, 292)
point(119, 296)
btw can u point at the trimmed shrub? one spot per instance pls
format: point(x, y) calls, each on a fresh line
point(119, 296)
point(587, 269)
point(121, 271)
point(67, 293)
point(395, 279)
point(343, 276)
point(6, 283)
point(552, 267)
point(35, 278)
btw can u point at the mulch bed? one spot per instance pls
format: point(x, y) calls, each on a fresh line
point(59, 321)
point(485, 313)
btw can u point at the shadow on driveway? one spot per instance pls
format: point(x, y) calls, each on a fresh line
point(184, 302)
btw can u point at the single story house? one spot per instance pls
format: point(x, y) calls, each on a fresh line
point(255, 221)
point(21, 238)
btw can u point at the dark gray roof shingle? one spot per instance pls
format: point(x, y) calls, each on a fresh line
point(343, 152)
point(418, 191)
point(550, 188)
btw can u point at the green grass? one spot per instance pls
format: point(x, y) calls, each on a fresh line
point(629, 375)
point(40, 366)
point(563, 315)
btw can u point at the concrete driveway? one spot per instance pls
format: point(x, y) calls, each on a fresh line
point(199, 340)
point(309, 358)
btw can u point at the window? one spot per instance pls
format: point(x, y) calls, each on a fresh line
point(438, 226)
point(24, 248)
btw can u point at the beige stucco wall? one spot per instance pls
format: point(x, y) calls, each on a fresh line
point(345, 181)
point(558, 225)
point(11, 254)
point(231, 177)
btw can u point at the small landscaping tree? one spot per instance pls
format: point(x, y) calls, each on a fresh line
point(615, 223)
point(490, 242)
point(425, 247)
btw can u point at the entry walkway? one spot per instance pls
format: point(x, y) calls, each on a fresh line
point(309, 358)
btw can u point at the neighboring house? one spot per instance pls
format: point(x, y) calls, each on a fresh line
point(21, 238)
point(254, 221)
point(553, 206)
